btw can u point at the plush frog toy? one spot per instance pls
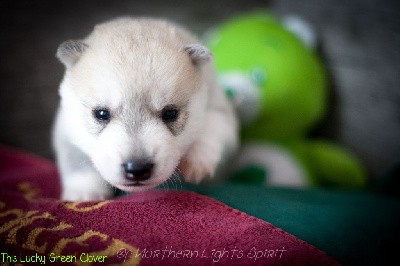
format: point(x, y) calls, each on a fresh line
point(270, 71)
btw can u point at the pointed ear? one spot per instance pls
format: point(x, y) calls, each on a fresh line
point(70, 51)
point(198, 53)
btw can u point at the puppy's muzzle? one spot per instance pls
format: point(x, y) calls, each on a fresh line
point(137, 170)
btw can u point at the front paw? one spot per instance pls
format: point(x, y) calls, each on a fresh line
point(85, 187)
point(199, 163)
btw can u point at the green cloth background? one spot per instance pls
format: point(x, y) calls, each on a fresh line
point(354, 227)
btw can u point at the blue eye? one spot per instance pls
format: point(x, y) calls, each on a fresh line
point(169, 114)
point(102, 114)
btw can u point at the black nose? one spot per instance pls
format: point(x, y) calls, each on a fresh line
point(138, 171)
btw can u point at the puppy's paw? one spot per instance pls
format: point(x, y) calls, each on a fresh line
point(200, 162)
point(85, 187)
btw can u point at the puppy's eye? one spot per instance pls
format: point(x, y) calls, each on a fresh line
point(169, 114)
point(102, 114)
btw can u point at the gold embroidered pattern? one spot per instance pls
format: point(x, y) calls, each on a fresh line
point(75, 206)
point(30, 192)
point(18, 220)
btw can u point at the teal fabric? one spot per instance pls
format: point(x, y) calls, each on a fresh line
point(354, 227)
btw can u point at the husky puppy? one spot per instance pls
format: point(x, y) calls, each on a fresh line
point(139, 101)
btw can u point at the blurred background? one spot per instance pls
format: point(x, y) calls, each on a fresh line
point(360, 41)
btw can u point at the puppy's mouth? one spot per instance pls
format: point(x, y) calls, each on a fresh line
point(134, 184)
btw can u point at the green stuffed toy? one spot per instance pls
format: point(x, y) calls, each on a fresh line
point(279, 86)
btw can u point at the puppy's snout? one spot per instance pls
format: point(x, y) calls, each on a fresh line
point(138, 171)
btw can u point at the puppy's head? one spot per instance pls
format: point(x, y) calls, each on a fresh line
point(134, 99)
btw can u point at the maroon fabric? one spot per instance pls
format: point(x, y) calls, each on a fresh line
point(151, 228)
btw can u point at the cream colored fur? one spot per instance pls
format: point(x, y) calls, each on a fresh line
point(135, 68)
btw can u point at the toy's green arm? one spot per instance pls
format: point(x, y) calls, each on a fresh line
point(334, 166)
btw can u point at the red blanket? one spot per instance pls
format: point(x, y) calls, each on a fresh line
point(151, 228)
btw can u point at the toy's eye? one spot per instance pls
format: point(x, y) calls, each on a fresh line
point(169, 114)
point(102, 115)
point(258, 75)
point(230, 92)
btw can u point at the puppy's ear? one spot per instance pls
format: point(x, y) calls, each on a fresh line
point(70, 51)
point(198, 53)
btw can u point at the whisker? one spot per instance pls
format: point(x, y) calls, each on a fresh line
point(114, 190)
point(170, 183)
point(164, 186)
point(173, 181)
point(176, 177)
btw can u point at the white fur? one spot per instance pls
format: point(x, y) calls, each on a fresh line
point(136, 67)
point(282, 168)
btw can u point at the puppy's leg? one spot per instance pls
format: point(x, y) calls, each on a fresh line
point(218, 140)
point(80, 180)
